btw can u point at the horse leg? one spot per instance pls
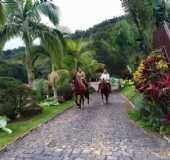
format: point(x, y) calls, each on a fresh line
point(102, 97)
point(81, 101)
point(77, 101)
point(107, 98)
point(87, 97)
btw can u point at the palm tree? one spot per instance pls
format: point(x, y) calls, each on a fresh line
point(76, 49)
point(55, 76)
point(24, 20)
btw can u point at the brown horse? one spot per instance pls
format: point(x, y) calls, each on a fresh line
point(81, 91)
point(105, 90)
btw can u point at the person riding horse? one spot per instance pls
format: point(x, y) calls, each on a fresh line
point(80, 87)
point(106, 77)
point(104, 85)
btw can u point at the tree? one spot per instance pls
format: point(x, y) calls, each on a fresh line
point(24, 20)
point(141, 12)
point(54, 77)
point(76, 49)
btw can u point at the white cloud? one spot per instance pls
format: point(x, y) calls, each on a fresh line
point(80, 14)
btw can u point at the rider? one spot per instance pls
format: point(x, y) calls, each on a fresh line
point(83, 76)
point(106, 77)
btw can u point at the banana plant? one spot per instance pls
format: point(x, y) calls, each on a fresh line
point(3, 124)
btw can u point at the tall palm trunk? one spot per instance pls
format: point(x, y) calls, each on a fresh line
point(28, 64)
point(54, 85)
point(29, 69)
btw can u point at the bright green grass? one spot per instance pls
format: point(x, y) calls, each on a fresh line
point(134, 96)
point(19, 128)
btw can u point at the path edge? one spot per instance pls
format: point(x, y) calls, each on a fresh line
point(166, 138)
point(5, 148)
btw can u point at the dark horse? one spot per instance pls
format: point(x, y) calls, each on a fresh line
point(105, 90)
point(81, 91)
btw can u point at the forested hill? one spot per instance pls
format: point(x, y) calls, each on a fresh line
point(98, 28)
point(112, 40)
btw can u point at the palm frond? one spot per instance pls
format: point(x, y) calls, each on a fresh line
point(49, 10)
point(52, 41)
point(7, 32)
point(2, 15)
point(36, 52)
point(10, 6)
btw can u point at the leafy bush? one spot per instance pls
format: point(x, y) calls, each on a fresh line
point(7, 82)
point(64, 89)
point(16, 71)
point(40, 86)
point(152, 79)
point(127, 83)
point(14, 97)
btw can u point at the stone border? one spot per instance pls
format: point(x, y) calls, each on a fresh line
point(166, 138)
point(127, 99)
point(3, 149)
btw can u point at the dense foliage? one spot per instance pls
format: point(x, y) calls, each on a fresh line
point(16, 99)
point(152, 78)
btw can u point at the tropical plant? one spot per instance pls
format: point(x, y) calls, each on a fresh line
point(153, 80)
point(141, 13)
point(89, 65)
point(16, 98)
point(76, 49)
point(3, 124)
point(2, 15)
point(54, 77)
point(40, 86)
point(24, 20)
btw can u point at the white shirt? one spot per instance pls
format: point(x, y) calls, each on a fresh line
point(105, 76)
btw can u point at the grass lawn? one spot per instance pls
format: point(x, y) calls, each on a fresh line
point(134, 96)
point(21, 127)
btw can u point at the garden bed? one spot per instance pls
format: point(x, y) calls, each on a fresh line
point(23, 127)
point(137, 101)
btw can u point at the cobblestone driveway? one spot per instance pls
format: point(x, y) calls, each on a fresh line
point(98, 132)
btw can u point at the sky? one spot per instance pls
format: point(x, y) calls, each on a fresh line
point(80, 15)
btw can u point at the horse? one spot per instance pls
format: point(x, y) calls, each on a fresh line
point(105, 90)
point(81, 91)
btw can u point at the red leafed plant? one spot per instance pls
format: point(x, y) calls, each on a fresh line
point(152, 90)
point(152, 78)
point(165, 80)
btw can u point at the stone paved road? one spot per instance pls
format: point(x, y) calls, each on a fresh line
point(98, 132)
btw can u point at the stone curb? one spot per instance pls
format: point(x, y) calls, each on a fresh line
point(127, 99)
point(166, 138)
point(5, 148)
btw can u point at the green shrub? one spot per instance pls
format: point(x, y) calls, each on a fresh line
point(14, 96)
point(64, 89)
point(40, 86)
point(16, 71)
point(7, 82)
